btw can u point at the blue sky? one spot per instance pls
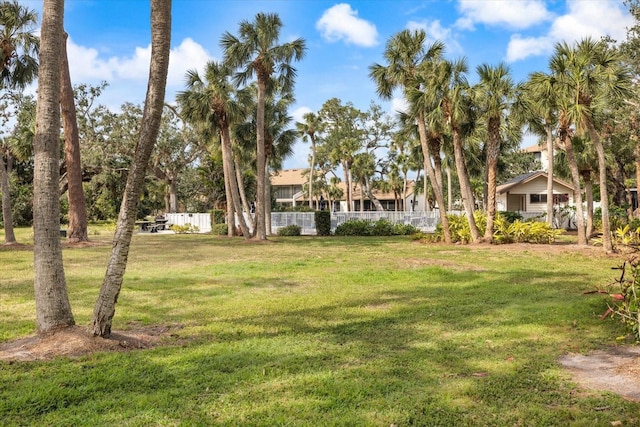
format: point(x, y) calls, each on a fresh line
point(109, 40)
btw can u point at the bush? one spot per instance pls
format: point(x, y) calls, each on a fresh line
point(219, 229)
point(290, 230)
point(354, 227)
point(382, 227)
point(323, 223)
point(217, 216)
point(510, 216)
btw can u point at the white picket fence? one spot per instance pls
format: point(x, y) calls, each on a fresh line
point(200, 220)
point(424, 221)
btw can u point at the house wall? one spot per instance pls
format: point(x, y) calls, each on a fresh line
point(508, 200)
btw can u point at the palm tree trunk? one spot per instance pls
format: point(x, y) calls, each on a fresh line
point(575, 180)
point(607, 243)
point(311, 169)
point(588, 193)
point(465, 184)
point(449, 189)
point(243, 195)
point(261, 229)
point(53, 310)
point(7, 216)
point(77, 230)
point(549, 133)
point(229, 171)
point(437, 190)
point(493, 152)
point(104, 309)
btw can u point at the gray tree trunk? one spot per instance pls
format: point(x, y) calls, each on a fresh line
point(104, 309)
point(53, 310)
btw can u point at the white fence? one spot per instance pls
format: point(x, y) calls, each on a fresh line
point(200, 220)
point(424, 221)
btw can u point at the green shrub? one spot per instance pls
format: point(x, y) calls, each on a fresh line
point(290, 230)
point(219, 229)
point(323, 223)
point(217, 216)
point(355, 227)
point(404, 230)
point(510, 216)
point(382, 227)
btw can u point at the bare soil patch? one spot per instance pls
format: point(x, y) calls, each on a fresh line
point(616, 369)
point(77, 341)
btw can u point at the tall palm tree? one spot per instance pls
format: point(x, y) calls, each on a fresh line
point(53, 310)
point(406, 53)
point(104, 308)
point(307, 130)
point(540, 103)
point(256, 52)
point(208, 101)
point(19, 47)
point(494, 92)
point(592, 75)
point(447, 92)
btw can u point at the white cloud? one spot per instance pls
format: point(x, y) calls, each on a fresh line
point(523, 47)
point(128, 74)
point(298, 113)
point(583, 19)
point(435, 31)
point(592, 18)
point(340, 22)
point(399, 105)
point(518, 14)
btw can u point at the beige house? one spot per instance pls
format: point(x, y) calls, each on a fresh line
point(288, 184)
point(528, 193)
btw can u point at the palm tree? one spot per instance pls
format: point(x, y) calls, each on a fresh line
point(495, 93)
point(257, 53)
point(405, 53)
point(53, 310)
point(540, 99)
point(19, 48)
point(208, 101)
point(591, 75)
point(308, 130)
point(446, 93)
point(104, 308)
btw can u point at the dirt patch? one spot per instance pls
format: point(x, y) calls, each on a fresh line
point(77, 341)
point(615, 369)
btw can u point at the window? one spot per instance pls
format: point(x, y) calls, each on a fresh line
point(560, 198)
point(537, 198)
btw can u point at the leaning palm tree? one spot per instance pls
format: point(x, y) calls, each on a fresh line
point(406, 53)
point(447, 92)
point(19, 47)
point(208, 102)
point(307, 130)
point(495, 93)
point(104, 308)
point(256, 52)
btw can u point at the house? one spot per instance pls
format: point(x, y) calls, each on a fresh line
point(288, 184)
point(540, 154)
point(527, 194)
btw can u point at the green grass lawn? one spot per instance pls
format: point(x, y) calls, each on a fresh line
point(321, 331)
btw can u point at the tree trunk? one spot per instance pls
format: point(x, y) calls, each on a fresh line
point(243, 196)
point(549, 133)
point(261, 154)
point(173, 194)
point(267, 206)
point(575, 180)
point(493, 152)
point(104, 309)
point(53, 310)
point(7, 216)
point(607, 243)
point(437, 190)
point(636, 213)
point(229, 170)
point(588, 193)
point(77, 230)
point(465, 184)
point(313, 165)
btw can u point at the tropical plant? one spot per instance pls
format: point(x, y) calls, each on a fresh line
point(256, 52)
